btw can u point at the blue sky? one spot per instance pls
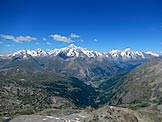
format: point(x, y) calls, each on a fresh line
point(100, 25)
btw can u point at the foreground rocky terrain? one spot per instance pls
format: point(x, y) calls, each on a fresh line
point(103, 114)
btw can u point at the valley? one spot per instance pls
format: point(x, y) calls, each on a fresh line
point(80, 85)
point(80, 60)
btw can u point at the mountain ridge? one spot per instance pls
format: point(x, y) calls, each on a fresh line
point(73, 51)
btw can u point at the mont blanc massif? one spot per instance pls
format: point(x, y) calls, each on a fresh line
point(75, 84)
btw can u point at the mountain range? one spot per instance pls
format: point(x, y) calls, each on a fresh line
point(73, 61)
point(72, 79)
point(73, 51)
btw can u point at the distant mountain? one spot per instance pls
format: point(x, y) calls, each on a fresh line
point(73, 61)
point(128, 54)
point(73, 51)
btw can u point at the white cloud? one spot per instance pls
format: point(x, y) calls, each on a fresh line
point(61, 38)
point(1, 42)
point(95, 40)
point(19, 38)
point(44, 39)
point(72, 35)
point(66, 39)
point(37, 43)
point(10, 37)
point(161, 43)
point(8, 45)
point(81, 40)
point(48, 43)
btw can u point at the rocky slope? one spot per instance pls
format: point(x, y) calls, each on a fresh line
point(139, 88)
point(51, 96)
point(25, 92)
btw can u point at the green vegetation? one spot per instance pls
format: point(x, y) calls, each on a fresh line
point(29, 90)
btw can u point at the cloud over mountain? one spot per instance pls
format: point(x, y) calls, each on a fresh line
point(72, 35)
point(44, 39)
point(61, 38)
point(18, 39)
point(66, 39)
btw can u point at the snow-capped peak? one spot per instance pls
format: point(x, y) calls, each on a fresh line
point(73, 51)
point(153, 54)
point(72, 46)
point(27, 53)
point(127, 50)
point(128, 54)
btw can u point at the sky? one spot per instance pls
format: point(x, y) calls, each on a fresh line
point(100, 25)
